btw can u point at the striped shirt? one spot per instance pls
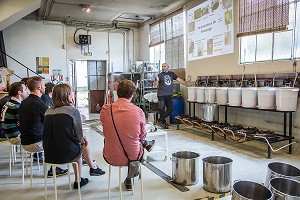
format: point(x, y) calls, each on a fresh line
point(10, 117)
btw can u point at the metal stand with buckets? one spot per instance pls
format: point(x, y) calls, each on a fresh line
point(185, 167)
point(277, 169)
point(245, 190)
point(217, 174)
point(285, 189)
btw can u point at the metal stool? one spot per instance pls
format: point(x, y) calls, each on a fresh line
point(54, 177)
point(120, 182)
point(24, 152)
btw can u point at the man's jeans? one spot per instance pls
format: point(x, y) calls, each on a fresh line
point(165, 101)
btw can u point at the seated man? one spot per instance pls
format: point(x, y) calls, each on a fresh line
point(130, 123)
point(31, 117)
point(63, 137)
point(9, 115)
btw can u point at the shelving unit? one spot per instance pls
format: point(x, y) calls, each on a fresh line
point(149, 71)
point(143, 76)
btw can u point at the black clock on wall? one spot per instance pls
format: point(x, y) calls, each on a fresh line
point(84, 39)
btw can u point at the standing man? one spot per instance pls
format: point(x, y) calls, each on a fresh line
point(164, 93)
point(9, 116)
point(31, 116)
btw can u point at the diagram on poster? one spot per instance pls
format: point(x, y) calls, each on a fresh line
point(210, 29)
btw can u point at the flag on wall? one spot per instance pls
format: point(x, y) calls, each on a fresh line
point(42, 65)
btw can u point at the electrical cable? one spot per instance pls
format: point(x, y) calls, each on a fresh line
point(75, 34)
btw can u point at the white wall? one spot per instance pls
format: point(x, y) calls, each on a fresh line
point(144, 42)
point(26, 40)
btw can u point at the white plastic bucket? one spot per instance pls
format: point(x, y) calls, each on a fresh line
point(210, 95)
point(191, 93)
point(222, 95)
point(234, 96)
point(266, 97)
point(286, 98)
point(200, 94)
point(249, 97)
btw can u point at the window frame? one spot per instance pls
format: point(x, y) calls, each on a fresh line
point(293, 48)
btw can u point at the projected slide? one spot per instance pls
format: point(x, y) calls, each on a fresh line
point(210, 29)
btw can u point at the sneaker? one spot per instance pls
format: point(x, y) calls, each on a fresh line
point(96, 172)
point(40, 160)
point(59, 172)
point(83, 182)
point(128, 185)
point(163, 125)
point(148, 145)
point(84, 163)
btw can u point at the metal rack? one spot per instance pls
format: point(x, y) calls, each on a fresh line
point(238, 135)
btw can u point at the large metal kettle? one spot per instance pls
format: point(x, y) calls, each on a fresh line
point(210, 112)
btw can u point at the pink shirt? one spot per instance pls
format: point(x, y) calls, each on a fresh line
point(130, 123)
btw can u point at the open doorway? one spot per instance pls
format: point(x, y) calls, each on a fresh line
point(89, 80)
point(81, 89)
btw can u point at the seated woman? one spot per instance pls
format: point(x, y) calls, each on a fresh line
point(63, 137)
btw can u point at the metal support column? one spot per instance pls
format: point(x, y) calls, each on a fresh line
point(284, 123)
point(290, 131)
point(225, 114)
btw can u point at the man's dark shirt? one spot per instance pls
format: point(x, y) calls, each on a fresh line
point(165, 84)
point(47, 100)
point(31, 117)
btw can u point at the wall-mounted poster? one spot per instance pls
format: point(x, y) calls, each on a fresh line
point(210, 29)
point(42, 65)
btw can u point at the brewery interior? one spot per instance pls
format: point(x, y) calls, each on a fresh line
point(234, 131)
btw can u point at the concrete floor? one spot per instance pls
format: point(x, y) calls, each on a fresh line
point(249, 163)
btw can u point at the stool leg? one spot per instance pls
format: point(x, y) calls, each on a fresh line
point(109, 174)
point(38, 160)
point(45, 169)
point(120, 182)
point(132, 181)
point(26, 164)
point(15, 153)
point(142, 184)
point(78, 179)
point(9, 162)
point(69, 176)
point(23, 166)
point(45, 177)
point(31, 165)
point(54, 179)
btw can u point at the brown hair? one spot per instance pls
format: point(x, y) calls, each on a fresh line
point(49, 87)
point(15, 88)
point(126, 89)
point(33, 82)
point(60, 95)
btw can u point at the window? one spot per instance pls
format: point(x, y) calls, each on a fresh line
point(157, 54)
point(167, 40)
point(273, 46)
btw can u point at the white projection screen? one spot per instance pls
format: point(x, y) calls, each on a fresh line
point(210, 29)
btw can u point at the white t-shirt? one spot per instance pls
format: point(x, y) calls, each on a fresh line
point(3, 77)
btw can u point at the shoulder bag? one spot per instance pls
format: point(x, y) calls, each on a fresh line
point(133, 165)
